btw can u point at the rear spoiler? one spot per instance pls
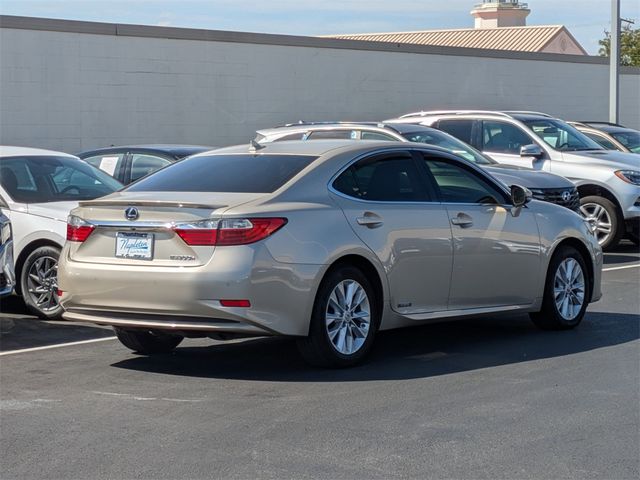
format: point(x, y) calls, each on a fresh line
point(146, 203)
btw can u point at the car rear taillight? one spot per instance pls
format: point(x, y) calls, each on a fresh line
point(232, 231)
point(78, 230)
point(235, 303)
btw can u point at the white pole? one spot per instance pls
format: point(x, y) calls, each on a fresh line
point(614, 63)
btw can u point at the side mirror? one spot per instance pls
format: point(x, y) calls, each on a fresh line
point(532, 150)
point(520, 196)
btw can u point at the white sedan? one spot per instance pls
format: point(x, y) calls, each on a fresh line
point(38, 188)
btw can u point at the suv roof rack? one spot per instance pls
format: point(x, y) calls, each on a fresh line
point(527, 112)
point(302, 123)
point(455, 112)
point(611, 124)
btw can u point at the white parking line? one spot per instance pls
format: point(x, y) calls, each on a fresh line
point(637, 265)
point(59, 345)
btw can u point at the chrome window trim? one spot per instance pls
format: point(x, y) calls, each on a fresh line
point(373, 202)
point(485, 175)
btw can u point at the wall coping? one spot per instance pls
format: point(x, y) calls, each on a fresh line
point(175, 33)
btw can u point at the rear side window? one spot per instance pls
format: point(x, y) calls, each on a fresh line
point(383, 179)
point(245, 173)
point(461, 129)
point(109, 162)
point(143, 164)
point(291, 136)
point(332, 134)
point(376, 136)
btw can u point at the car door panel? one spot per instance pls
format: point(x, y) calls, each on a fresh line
point(412, 239)
point(496, 254)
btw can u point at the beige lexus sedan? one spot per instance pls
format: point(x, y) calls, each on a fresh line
point(326, 241)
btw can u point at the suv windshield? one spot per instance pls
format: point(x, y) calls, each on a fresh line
point(451, 143)
point(262, 173)
point(561, 136)
point(53, 179)
point(630, 139)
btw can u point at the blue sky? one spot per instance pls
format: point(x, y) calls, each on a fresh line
point(586, 19)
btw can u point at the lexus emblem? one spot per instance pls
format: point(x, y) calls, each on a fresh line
point(566, 195)
point(131, 213)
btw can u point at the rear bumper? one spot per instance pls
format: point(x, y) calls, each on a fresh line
point(174, 324)
point(174, 298)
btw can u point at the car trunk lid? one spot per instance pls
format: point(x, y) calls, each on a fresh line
point(144, 228)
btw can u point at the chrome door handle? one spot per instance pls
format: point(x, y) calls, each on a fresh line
point(462, 220)
point(370, 219)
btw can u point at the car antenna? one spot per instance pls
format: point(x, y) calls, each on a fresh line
point(255, 146)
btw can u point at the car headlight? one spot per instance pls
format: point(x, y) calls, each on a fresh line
point(629, 176)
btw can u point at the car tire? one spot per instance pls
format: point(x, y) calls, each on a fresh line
point(566, 292)
point(146, 342)
point(342, 330)
point(603, 212)
point(39, 282)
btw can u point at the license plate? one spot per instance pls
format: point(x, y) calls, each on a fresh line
point(134, 245)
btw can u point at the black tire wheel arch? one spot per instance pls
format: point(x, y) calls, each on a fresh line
point(317, 348)
point(147, 342)
point(27, 284)
point(549, 318)
point(617, 222)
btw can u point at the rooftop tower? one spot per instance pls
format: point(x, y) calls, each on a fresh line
point(500, 13)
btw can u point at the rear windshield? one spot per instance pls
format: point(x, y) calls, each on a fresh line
point(261, 173)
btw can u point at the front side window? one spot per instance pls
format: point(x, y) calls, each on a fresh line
point(143, 164)
point(501, 137)
point(561, 136)
point(383, 179)
point(53, 179)
point(604, 142)
point(242, 173)
point(460, 185)
point(631, 140)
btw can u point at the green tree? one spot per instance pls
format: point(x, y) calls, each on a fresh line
point(629, 46)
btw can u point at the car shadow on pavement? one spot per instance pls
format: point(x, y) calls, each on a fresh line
point(417, 352)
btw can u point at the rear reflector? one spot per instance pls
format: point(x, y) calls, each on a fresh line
point(77, 229)
point(59, 292)
point(233, 231)
point(235, 303)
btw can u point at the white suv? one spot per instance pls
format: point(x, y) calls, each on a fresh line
point(608, 181)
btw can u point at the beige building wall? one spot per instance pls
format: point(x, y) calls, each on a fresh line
point(72, 86)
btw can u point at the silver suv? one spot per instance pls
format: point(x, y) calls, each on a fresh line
point(608, 182)
point(544, 186)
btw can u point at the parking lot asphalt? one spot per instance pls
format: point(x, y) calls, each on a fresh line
point(486, 398)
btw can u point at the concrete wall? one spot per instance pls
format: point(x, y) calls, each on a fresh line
point(72, 86)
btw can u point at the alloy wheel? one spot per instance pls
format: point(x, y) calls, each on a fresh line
point(569, 288)
point(598, 216)
point(348, 317)
point(42, 283)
